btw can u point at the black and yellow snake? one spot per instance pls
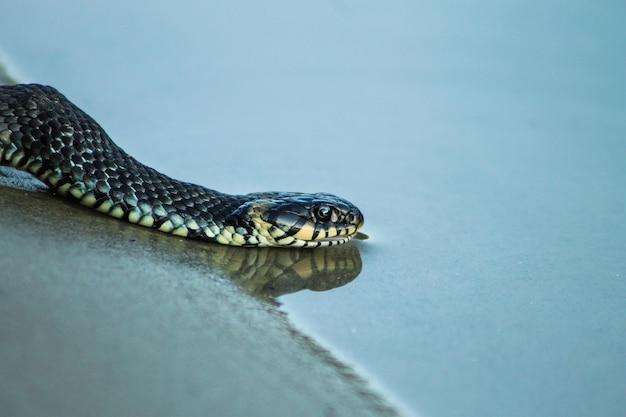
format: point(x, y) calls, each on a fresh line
point(43, 133)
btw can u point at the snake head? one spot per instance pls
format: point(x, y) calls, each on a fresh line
point(297, 219)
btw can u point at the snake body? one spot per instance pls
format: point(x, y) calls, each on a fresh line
point(45, 134)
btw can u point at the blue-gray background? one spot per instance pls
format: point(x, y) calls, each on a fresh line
point(484, 141)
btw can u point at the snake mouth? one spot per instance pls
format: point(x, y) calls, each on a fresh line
point(327, 241)
point(334, 240)
point(312, 234)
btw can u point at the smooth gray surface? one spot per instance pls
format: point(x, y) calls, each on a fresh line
point(484, 142)
point(101, 318)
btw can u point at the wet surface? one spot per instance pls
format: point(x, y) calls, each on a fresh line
point(483, 143)
point(99, 317)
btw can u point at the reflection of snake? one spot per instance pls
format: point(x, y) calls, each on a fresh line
point(43, 133)
point(272, 272)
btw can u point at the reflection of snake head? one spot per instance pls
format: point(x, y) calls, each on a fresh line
point(273, 272)
point(296, 219)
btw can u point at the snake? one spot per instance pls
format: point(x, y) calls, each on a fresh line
point(45, 134)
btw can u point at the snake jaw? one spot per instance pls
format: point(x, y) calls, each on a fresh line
point(298, 220)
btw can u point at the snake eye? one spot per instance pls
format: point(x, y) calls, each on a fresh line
point(323, 213)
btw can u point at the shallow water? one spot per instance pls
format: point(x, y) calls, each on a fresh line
point(484, 144)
